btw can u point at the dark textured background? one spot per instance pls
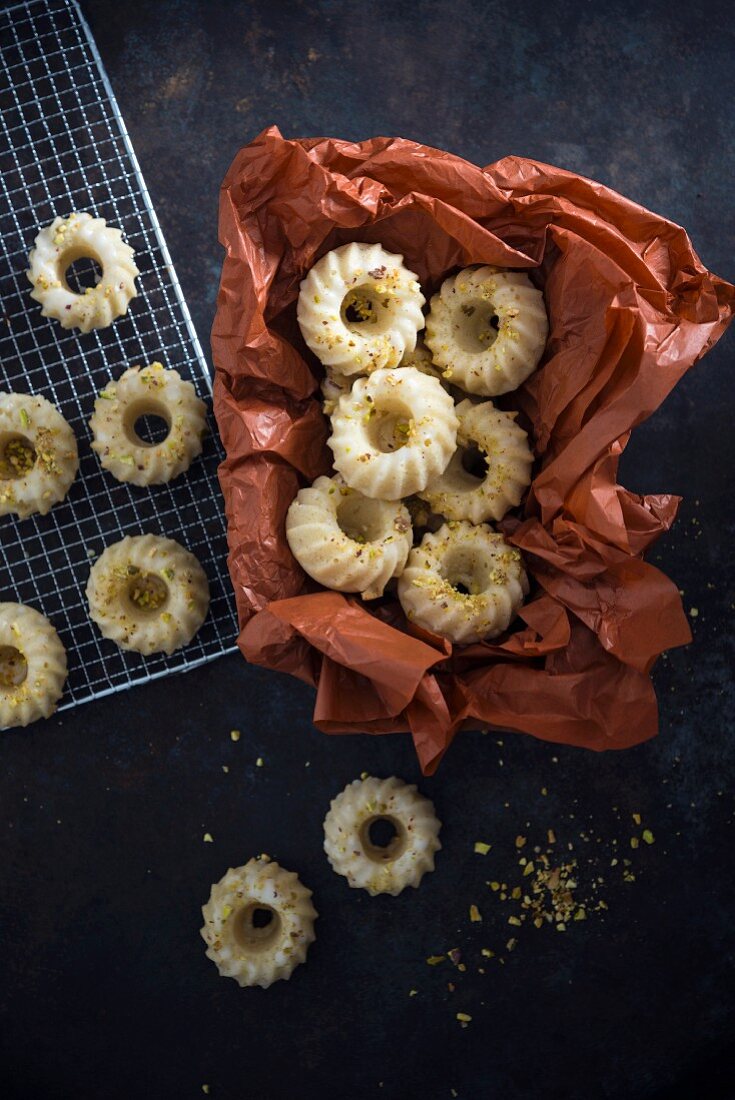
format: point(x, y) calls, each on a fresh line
point(108, 992)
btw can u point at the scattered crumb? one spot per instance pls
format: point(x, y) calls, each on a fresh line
point(475, 915)
point(208, 838)
point(235, 735)
point(259, 762)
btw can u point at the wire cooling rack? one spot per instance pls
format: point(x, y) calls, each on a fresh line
point(64, 148)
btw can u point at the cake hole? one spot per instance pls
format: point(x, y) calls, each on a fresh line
point(359, 309)
point(476, 325)
point(261, 918)
point(151, 429)
point(364, 311)
point(390, 427)
point(361, 519)
point(146, 424)
point(381, 832)
point(13, 667)
point(474, 462)
point(462, 569)
point(17, 457)
point(256, 926)
point(146, 591)
point(383, 838)
point(83, 273)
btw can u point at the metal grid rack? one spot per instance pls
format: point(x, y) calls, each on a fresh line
point(64, 147)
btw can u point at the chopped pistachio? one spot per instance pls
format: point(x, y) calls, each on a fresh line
point(648, 836)
point(481, 848)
